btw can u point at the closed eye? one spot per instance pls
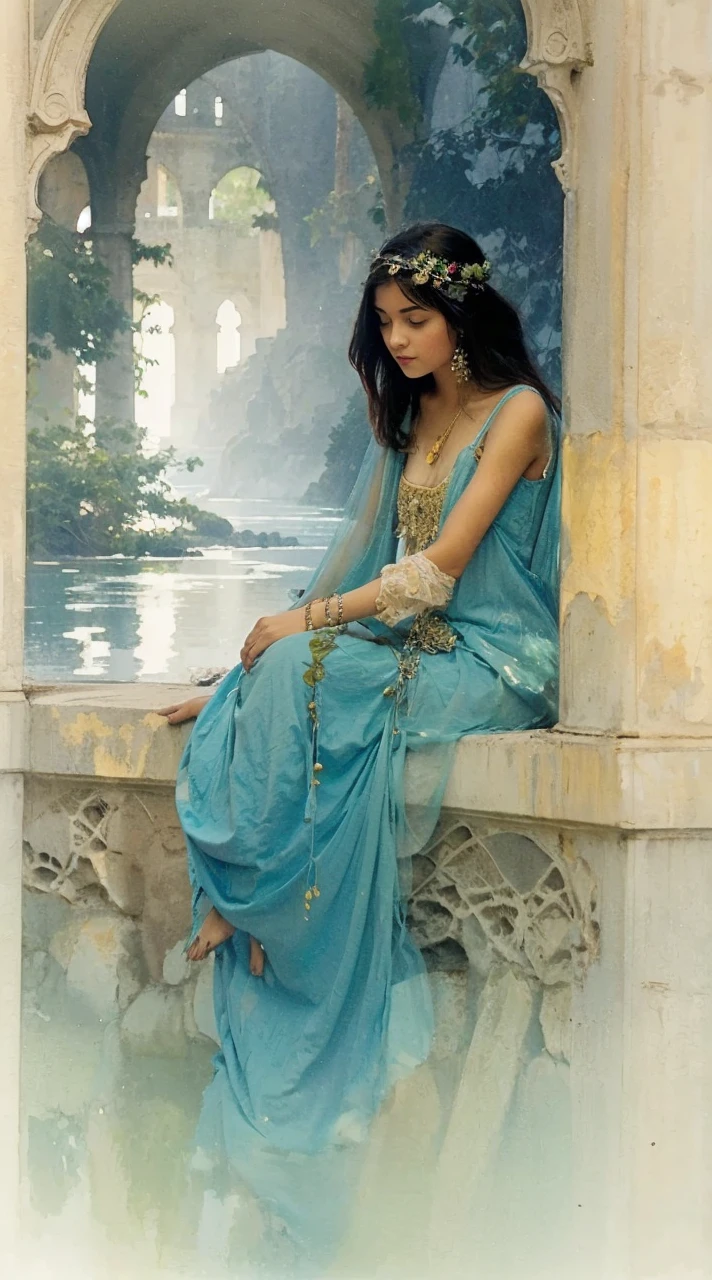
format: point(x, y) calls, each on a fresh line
point(414, 324)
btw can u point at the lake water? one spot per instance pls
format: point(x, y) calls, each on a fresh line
point(114, 619)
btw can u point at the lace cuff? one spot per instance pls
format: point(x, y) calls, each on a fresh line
point(410, 586)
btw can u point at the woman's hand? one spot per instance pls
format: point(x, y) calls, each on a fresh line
point(267, 630)
point(187, 710)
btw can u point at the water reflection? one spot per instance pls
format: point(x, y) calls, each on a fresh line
point(120, 620)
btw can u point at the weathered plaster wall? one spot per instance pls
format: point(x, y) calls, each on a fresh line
point(13, 99)
point(625, 794)
point(568, 963)
point(113, 731)
point(637, 600)
point(506, 913)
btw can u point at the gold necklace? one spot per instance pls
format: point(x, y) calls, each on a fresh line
point(434, 453)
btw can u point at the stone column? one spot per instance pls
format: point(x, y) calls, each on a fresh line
point(51, 396)
point(637, 627)
point(62, 194)
point(195, 335)
point(63, 189)
point(115, 377)
point(14, 22)
point(637, 612)
point(273, 311)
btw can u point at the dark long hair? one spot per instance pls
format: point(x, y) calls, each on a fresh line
point(489, 329)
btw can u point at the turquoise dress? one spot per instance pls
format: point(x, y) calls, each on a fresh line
point(294, 798)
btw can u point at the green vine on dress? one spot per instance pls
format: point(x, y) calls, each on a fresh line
point(320, 646)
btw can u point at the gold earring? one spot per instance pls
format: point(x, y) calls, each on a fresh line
point(460, 365)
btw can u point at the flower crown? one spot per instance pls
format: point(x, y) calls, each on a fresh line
point(454, 278)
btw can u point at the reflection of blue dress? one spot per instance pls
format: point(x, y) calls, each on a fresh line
point(311, 870)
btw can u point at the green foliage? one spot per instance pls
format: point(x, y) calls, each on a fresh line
point(242, 199)
point(487, 33)
point(268, 221)
point(69, 299)
point(160, 255)
point(347, 212)
point(389, 80)
point(348, 442)
point(491, 174)
point(84, 499)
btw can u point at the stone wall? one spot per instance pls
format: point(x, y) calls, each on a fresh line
point(505, 911)
point(627, 790)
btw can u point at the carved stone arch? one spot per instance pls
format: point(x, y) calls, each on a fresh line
point(558, 50)
point(247, 306)
point(57, 115)
point(219, 172)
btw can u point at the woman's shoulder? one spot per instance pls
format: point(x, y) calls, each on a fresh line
point(517, 402)
point(523, 417)
point(523, 393)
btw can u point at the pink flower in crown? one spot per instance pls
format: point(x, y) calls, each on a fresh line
point(452, 269)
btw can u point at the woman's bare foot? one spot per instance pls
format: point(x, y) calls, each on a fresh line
point(257, 958)
point(214, 930)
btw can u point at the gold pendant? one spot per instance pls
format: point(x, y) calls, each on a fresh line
point(433, 455)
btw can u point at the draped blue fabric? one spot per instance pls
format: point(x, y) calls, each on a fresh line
point(309, 1051)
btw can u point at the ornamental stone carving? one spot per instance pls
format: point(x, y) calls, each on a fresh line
point(57, 115)
point(558, 50)
point(504, 898)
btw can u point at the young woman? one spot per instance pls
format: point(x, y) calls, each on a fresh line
point(321, 759)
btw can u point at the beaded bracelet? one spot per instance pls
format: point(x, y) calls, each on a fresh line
point(308, 624)
point(340, 608)
point(327, 610)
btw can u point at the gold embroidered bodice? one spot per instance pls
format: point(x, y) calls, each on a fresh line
point(419, 509)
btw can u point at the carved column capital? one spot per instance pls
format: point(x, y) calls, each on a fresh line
point(56, 114)
point(558, 50)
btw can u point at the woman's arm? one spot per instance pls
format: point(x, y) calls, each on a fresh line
point(360, 603)
point(515, 440)
point(517, 437)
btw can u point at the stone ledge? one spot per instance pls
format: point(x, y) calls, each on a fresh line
point(633, 784)
point(113, 732)
point(13, 732)
point(107, 731)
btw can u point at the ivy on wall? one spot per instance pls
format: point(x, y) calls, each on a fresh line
point(488, 172)
point(159, 255)
point(348, 213)
point(389, 78)
point(69, 299)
